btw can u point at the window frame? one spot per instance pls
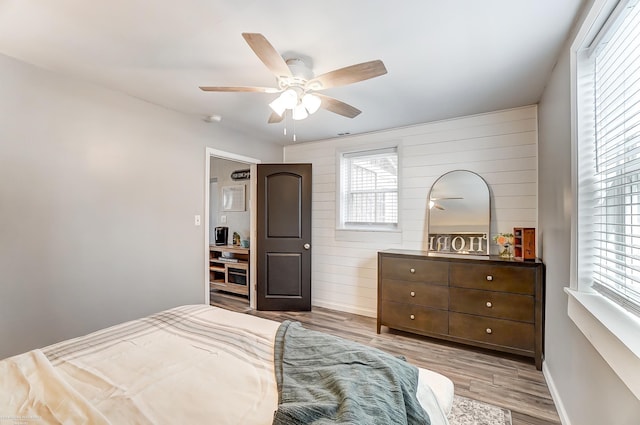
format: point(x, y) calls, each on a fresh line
point(611, 329)
point(342, 227)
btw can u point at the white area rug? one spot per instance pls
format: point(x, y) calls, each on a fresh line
point(466, 411)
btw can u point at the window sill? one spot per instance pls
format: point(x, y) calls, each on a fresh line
point(369, 235)
point(612, 331)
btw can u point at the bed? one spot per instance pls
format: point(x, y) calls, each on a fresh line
point(192, 364)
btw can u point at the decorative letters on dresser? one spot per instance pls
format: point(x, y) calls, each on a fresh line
point(491, 303)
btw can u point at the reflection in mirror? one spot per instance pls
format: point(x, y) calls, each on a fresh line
point(459, 214)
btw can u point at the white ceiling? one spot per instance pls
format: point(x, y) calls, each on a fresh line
point(444, 58)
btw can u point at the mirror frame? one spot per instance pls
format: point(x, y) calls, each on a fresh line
point(456, 243)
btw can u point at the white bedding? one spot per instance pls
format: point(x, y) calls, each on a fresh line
point(191, 364)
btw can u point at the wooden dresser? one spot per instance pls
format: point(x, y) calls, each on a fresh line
point(492, 303)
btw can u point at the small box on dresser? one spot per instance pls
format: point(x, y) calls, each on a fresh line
point(524, 243)
point(489, 302)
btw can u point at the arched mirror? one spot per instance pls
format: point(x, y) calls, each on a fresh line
point(459, 214)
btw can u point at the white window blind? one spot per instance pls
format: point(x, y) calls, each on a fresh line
point(610, 193)
point(369, 188)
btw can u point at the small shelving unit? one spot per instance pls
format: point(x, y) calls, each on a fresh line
point(524, 243)
point(229, 269)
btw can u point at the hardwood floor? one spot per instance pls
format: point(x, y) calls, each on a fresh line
point(508, 381)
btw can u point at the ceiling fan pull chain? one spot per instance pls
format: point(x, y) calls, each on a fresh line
point(294, 130)
point(285, 122)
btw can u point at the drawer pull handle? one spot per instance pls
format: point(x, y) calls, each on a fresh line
point(412, 270)
point(413, 294)
point(489, 305)
point(489, 330)
point(489, 278)
point(412, 317)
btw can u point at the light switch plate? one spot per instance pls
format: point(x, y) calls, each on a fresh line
point(197, 220)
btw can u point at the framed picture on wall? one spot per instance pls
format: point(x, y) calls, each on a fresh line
point(233, 198)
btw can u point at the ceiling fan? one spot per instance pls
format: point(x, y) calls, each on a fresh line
point(297, 85)
point(436, 205)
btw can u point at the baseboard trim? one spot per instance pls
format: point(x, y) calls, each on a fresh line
point(343, 307)
point(555, 395)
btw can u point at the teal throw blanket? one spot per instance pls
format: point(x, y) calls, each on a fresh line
point(324, 379)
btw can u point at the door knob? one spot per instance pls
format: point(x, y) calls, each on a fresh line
point(306, 246)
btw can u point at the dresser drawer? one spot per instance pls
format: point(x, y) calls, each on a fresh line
point(425, 294)
point(495, 278)
point(414, 269)
point(492, 331)
point(492, 304)
point(411, 316)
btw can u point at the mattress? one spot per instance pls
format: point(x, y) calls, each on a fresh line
point(190, 364)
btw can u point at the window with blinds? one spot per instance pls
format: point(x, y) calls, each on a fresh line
point(369, 189)
point(609, 183)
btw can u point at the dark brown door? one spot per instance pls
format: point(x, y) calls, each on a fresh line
point(284, 237)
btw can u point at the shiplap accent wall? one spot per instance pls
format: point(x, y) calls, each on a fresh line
point(499, 146)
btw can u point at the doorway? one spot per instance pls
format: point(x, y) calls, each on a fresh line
point(238, 217)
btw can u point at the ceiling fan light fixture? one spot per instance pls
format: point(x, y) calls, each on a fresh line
point(300, 112)
point(289, 98)
point(311, 102)
point(278, 106)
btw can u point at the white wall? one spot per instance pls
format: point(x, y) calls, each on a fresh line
point(501, 147)
point(98, 193)
point(587, 391)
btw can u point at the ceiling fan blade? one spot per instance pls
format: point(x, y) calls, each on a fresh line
point(275, 118)
point(338, 107)
point(242, 89)
point(347, 75)
point(267, 54)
